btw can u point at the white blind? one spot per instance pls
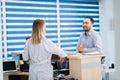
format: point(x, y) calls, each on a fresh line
point(19, 15)
point(71, 17)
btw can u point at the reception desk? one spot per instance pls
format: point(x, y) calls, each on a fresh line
point(81, 67)
point(85, 67)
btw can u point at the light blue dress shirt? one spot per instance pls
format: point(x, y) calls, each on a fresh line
point(92, 41)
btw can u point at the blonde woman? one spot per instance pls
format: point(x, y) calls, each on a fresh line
point(39, 50)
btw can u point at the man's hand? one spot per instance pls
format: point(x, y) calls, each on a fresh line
point(80, 48)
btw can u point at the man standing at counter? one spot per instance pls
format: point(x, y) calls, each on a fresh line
point(90, 40)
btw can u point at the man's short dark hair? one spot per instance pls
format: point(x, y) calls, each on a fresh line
point(91, 19)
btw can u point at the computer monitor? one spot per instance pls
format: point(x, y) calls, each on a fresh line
point(9, 66)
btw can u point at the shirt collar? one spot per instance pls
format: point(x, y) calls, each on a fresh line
point(89, 33)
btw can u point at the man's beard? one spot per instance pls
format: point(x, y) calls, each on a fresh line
point(87, 30)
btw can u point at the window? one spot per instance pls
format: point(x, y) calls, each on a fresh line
point(19, 18)
point(0, 35)
point(72, 13)
point(63, 18)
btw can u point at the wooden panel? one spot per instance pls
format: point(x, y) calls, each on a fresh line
point(85, 67)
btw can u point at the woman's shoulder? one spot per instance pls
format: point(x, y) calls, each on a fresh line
point(28, 41)
point(48, 41)
point(44, 41)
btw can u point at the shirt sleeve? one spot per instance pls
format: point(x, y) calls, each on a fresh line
point(52, 48)
point(25, 55)
point(98, 44)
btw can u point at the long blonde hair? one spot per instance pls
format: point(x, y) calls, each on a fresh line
point(38, 33)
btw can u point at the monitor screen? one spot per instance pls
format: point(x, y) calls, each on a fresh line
point(9, 66)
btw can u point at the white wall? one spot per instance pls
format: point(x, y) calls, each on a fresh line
point(110, 31)
point(117, 37)
point(1, 70)
point(107, 30)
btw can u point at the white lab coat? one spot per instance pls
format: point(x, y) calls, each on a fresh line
point(40, 59)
